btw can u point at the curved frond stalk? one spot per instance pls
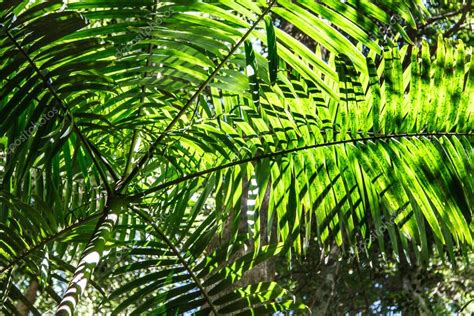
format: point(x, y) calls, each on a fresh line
point(25, 254)
point(177, 252)
point(314, 130)
point(180, 281)
point(151, 151)
point(163, 186)
point(135, 143)
point(92, 151)
point(90, 257)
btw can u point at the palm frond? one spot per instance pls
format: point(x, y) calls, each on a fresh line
point(161, 127)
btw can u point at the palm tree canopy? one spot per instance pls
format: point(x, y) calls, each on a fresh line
point(139, 137)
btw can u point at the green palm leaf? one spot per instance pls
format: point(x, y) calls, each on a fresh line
point(169, 128)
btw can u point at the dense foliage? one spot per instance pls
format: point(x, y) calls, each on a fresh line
point(170, 157)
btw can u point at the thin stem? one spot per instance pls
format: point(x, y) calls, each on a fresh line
point(433, 19)
point(91, 256)
point(48, 239)
point(465, 11)
point(136, 134)
point(123, 183)
point(283, 152)
point(177, 253)
point(89, 148)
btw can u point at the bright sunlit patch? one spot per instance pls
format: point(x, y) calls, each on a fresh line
point(70, 291)
point(112, 217)
point(64, 309)
point(82, 284)
point(78, 277)
point(93, 257)
point(250, 71)
point(66, 305)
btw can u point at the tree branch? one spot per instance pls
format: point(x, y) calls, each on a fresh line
point(465, 11)
point(177, 253)
point(431, 20)
point(48, 239)
point(123, 183)
point(91, 256)
point(91, 150)
point(136, 134)
point(139, 196)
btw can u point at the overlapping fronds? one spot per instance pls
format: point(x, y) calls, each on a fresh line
point(195, 116)
point(388, 152)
